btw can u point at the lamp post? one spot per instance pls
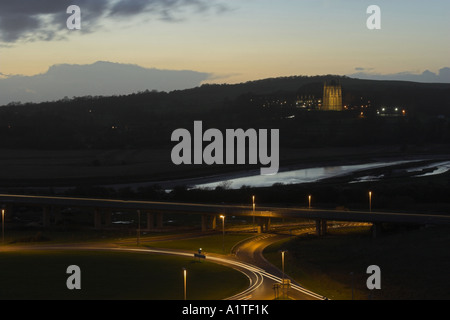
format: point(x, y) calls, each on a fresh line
point(351, 275)
point(138, 239)
point(284, 284)
point(309, 201)
point(184, 276)
point(370, 201)
point(223, 232)
point(282, 261)
point(253, 200)
point(3, 226)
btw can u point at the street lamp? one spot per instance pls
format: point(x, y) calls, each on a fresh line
point(370, 201)
point(253, 199)
point(223, 232)
point(138, 239)
point(351, 275)
point(282, 261)
point(284, 282)
point(309, 201)
point(184, 276)
point(3, 226)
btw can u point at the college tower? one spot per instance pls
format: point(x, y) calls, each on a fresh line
point(332, 96)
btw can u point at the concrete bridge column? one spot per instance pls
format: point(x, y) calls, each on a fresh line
point(46, 217)
point(159, 220)
point(318, 228)
point(321, 227)
point(150, 220)
point(260, 224)
point(213, 222)
point(324, 227)
point(97, 219)
point(204, 222)
point(263, 225)
point(108, 218)
point(267, 224)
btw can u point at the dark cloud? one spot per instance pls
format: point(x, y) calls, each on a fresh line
point(168, 10)
point(31, 20)
point(100, 78)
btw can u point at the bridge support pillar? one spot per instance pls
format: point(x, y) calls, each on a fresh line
point(150, 221)
point(321, 227)
point(209, 222)
point(214, 222)
point(159, 220)
point(260, 225)
point(108, 218)
point(97, 219)
point(267, 224)
point(324, 227)
point(204, 222)
point(46, 217)
point(263, 225)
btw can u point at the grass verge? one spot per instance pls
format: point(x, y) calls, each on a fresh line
point(210, 244)
point(414, 264)
point(41, 275)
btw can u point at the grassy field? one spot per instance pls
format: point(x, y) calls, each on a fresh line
point(414, 264)
point(209, 244)
point(42, 275)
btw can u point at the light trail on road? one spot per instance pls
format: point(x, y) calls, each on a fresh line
point(233, 210)
point(258, 277)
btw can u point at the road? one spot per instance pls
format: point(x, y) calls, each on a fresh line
point(247, 259)
point(228, 210)
point(252, 252)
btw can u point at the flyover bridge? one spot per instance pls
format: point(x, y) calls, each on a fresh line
point(103, 209)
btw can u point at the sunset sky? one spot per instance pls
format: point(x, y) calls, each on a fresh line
point(234, 40)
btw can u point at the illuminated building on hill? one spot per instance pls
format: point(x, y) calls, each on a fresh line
point(332, 96)
point(309, 102)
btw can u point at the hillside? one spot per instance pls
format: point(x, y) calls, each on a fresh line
point(147, 119)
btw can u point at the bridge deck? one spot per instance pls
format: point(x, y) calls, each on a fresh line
point(235, 210)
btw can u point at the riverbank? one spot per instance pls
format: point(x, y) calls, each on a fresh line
point(58, 170)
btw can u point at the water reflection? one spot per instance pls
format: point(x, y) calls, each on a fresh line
point(297, 176)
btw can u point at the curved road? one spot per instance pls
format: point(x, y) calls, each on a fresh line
point(247, 258)
point(252, 252)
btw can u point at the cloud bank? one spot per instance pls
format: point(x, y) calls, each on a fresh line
point(442, 76)
point(100, 78)
point(45, 20)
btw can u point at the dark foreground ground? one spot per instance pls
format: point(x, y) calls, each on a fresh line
point(414, 263)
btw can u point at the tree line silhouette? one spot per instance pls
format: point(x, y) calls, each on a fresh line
point(147, 119)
